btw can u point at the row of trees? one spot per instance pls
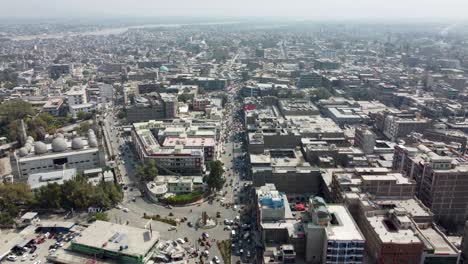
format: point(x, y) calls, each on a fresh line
point(36, 124)
point(215, 180)
point(76, 193)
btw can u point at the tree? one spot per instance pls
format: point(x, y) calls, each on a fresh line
point(147, 171)
point(15, 109)
point(84, 127)
point(13, 197)
point(81, 115)
point(320, 93)
point(49, 196)
point(215, 179)
point(184, 97)
point(101, 216)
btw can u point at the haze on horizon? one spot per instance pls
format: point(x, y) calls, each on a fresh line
point(426, 10)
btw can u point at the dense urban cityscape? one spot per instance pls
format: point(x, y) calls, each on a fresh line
point(234, 142)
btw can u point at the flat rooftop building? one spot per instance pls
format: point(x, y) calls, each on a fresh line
point(177, 158)
point(124, 244)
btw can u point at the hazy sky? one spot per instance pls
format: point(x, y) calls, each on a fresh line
point(301, 9)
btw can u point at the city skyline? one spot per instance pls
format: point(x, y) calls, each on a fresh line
point(300, 9)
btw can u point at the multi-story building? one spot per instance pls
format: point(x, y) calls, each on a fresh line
point(322, 234)
point(390, 239)
point(54, 107)
point(58, 153)
point(206, 83)
point(207, 144)
point(379, 182)
point(332, 235)
point(175, 159)
point(57, 70)
point(397, 127)
point(441, 179)
point(326, 64)
point(364, 139)
point(150, 87)
point(77, 95)
point(402, 231)
point(200, 104)
point(152, 107)
point(297, 107)
point(308, 80)
point(287, 169)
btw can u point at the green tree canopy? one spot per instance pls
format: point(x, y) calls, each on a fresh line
point(78, 194)
point(13, 197)
point(320, 93)
point(148, 171)
point(215, 179)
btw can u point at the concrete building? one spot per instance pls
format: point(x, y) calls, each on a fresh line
point(271, 203)
point(100, 92)
point(308, 80)
point(150, 87)
point(448, 136)
point(207, 144)
point(77, 95)
point(54, 107)
point(57, 70)
point(173, 159)
point(379, 183)
point(77, 99)
point(397, 127)
point(200, 104)
point(85, 108)
point(402, 231)
point(152, 107)
point(441, 180)
point(287, 169)
point(297, 107)
point(326, 64)
point(38, 180)
point(121, 243)
point(322, 234)
point(364, 139)
point(332, 235)
point(390, 239)
point(207, 83)
point(57, 153)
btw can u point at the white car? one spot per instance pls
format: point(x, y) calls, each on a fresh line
point(12, 258)
point(38, 262)
point(180, 241)
point(25, 257)
point(126, 210)
point(216, 260)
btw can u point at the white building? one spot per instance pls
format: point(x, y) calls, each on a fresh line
point(57, 153)
point(37, 180)
point(77, 95)
point(85, 108)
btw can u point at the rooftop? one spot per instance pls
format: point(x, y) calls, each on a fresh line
point(37, 180)
point(111, 237)
point(346, 228)
point(389, 233)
